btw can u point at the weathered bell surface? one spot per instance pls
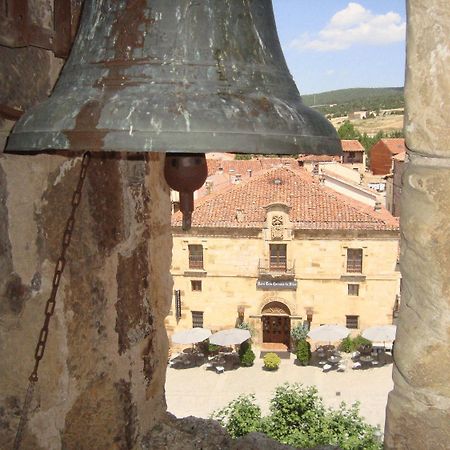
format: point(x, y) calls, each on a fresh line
point(176, 76)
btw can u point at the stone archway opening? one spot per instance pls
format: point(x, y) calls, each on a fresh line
point(276, 324)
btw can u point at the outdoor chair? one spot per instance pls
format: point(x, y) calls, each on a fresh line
point(356, 366)
point(220, 369)
point(327, 368)
point(341, 368)
point(355, 355)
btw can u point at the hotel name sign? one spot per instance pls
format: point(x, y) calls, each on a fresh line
point(277, 285)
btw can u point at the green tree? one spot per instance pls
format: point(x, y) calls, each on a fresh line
point(299, 418)
point(243, 156)
point(348, 131)
point(240, 417)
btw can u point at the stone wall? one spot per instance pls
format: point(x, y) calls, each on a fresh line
point(418, 411)
point(101, 381)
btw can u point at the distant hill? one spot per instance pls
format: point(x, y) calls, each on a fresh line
point(344, 101)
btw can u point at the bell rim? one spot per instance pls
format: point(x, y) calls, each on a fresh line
point(191, 142)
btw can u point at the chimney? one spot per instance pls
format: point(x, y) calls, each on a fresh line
point(237, 178)
point(377, 206)
point(240, 215)
point(220, 170)
point(208, 186)
point(249, 171)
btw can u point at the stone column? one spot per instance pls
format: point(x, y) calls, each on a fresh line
point(418, 411)
point(101, 381)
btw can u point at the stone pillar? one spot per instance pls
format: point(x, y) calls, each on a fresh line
point(418, 411)
point(101, 381)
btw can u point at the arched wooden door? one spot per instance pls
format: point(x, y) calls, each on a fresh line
point(276, 323)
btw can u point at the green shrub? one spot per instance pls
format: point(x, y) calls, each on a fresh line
point(212, 348)
point(346, 345)
point(245, 326)
point(299, 333)
point(246, 355)
point(303, 352)
point(243, 348)
point(349, 345)
point(247, 358)
point(240, 417)
point(299, 418)
point(358, 341)
point(271, 361)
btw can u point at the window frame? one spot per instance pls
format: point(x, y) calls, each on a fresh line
point(352, 286)
point(354, 263)
point(195, 256)
point(277, 260)
point(196, 285)
point(349, 324)
point(197, 319)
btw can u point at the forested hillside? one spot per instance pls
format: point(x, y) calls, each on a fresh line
point(344, 101)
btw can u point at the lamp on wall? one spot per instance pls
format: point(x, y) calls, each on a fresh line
point(178, 77)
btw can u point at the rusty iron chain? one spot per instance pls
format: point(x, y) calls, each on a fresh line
point(51, 302)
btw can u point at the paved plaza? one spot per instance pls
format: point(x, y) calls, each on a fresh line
point(198, 392)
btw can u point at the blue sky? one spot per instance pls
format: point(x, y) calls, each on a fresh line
point(334, 44)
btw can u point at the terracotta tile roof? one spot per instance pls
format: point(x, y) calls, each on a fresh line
point(319, 158)
point(313, 206)
point(394, 145)
point(242, 166)
point(220, 156)
point(351, 145)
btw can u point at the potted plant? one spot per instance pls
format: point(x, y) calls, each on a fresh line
point(271, 361)
point(246, 354)
point(303, 352)
point(299, 333)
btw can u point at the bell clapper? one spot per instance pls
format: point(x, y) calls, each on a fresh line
point(185, 173)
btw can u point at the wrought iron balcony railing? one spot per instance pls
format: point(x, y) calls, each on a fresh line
point(279, 268)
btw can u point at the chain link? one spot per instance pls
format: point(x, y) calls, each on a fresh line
point(51, 302)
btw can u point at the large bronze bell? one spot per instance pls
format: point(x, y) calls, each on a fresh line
point(183, 76)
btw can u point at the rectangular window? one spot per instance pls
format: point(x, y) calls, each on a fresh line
point(195, 256)
point(197, 319)
point(354, 260)
point(353, 289)
point(196, 285)
point(352, 322)
point(278, 260)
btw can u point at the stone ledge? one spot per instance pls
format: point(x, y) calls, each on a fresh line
point(192, 433)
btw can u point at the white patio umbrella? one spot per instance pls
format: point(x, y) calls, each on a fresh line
point(191, 336)
point(329, 333)
point(382, 333)
point(233, 336)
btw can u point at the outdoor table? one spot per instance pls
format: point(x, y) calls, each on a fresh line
point(366, 358)
point(334, 359)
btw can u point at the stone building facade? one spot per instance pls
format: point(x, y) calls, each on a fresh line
point(281, 249)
